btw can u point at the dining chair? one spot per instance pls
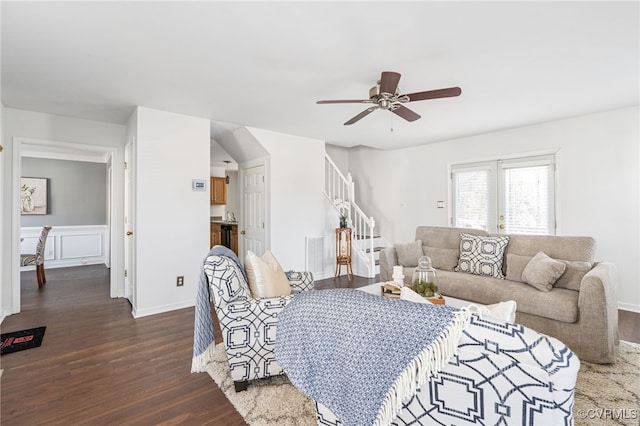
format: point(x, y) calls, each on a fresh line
point(37, 259)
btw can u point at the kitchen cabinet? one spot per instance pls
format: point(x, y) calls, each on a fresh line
point(234, 239)
point(218, 190)
point(225, 234)
point(216, 234)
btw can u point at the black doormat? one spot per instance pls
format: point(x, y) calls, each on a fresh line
point(21, 340)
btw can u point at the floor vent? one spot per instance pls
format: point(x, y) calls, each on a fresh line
point(314, 256)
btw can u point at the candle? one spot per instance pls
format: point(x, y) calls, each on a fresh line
point(397, 270)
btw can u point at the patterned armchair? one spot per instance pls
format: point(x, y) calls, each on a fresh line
point(503, 374)
point(248, 325)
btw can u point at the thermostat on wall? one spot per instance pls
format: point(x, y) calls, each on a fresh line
point(198, 184)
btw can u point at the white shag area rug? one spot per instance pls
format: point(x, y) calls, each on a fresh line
point(605, 394)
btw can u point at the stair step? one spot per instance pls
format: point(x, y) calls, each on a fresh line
point(363, 237)
point(375, 249)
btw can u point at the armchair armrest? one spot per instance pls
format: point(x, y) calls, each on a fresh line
point(388, 259)
point(249, 334)
point(300, 281)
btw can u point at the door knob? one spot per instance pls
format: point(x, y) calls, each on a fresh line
point(242, 232)
point(129, 232)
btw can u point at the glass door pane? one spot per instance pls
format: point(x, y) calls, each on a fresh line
point(473, 194)
point(511, 196)
point(526, 196)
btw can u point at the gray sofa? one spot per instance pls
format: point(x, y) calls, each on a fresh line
point(580, 310)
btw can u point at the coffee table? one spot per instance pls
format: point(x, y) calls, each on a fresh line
point(450, 301)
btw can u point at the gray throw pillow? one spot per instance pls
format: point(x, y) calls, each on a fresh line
point(482, 255)
point(442, 258)
point(409, 253)
point(542, 271)
point(515, 265)
point(573, 274)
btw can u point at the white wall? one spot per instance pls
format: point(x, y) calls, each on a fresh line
point(172, 220)
point(340, 157)
point(35, 125)
point(598, 183)
point(297, 206)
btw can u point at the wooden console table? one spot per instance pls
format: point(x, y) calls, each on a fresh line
point(343, 252)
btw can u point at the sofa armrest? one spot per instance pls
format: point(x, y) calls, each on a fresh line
point(388, 259)
point(598, 310)
point(300, 281)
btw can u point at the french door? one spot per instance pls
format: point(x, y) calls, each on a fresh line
point(513, 196)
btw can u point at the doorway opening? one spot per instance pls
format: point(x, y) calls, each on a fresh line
point(112, 157)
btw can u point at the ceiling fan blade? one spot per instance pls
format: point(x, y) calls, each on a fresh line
point(346, 101)
point(361, 115)
point(405, 113)
point(434, 94)
point(389, 82)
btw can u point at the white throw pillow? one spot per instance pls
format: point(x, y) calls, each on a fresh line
point(265, 275)
point(407, 294)
point(503, 311)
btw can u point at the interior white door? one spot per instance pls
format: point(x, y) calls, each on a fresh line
point(129, 241)
point(253, 236)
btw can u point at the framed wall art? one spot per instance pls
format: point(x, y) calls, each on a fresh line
point(33, 195)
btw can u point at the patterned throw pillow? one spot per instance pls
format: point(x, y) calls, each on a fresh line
point(482, 255)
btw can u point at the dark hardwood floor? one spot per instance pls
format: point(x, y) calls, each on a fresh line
point(98, 365)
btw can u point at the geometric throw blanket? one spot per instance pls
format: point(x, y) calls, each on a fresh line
point(203, 338)
point(362, 355)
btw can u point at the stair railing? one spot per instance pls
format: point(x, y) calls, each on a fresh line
point(339, 188)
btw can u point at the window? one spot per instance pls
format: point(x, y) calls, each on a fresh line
point(506, 196)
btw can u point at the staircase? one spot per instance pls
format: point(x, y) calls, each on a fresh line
point(366, 245)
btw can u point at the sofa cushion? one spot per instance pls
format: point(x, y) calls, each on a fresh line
point(573, 274)
point(515, 265)
point(556, 247)
point(443, 236)
point(542, 271)
point(570, 279)
point(265, 275)
point(442, 258)
point(482, 255)
point(409, 253)
point(559, 304)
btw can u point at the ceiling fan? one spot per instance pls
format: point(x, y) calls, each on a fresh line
point(385, 96)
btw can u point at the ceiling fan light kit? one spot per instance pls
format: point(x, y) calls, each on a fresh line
point(385, 95)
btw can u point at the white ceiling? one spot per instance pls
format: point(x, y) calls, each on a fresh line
point(265, 64)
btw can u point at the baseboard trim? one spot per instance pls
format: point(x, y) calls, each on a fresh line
point(139, 313)
point(628, 307)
